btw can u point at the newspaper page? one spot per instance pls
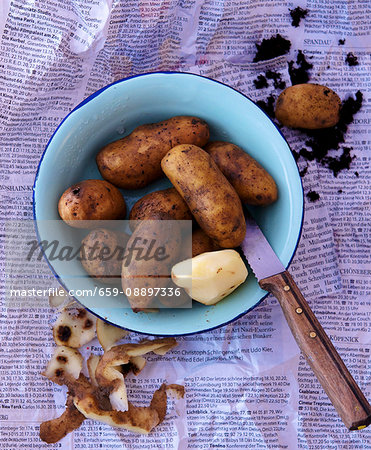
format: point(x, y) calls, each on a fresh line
point(247, 386)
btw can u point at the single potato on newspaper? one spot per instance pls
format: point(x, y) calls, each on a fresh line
point(309, 106)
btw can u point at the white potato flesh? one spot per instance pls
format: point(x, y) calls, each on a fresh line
point(108, 334)
point(74, 328)
point(65, 362)
point(92, 363)
point(214, 275)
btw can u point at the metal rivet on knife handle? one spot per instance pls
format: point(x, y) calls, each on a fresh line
point(313, 334)
point(286, 288)
point(299, 310)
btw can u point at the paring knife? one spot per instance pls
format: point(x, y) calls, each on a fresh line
point(338, 383)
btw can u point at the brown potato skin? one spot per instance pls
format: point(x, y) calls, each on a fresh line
point(150, 272)
point(135, 161)
point(202, 243)
point(106, 268)
point(211, 198)
point(56, 429)
point(91, 200)
point(166, 204)
point(308, 106)
point(252, 182)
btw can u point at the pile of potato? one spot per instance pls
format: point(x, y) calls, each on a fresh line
point(211, 181)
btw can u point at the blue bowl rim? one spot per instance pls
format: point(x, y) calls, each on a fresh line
point(91, 97)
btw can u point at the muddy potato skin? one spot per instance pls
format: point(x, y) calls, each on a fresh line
point(100, 264)
point(144, 273)
point(166, 204)
point(202, 243)
point(309, 106)
point(91, 200)
point(135, 161)
point(211, 198)
point(252, 182)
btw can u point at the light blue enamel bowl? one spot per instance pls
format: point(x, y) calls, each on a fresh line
point(114, 112)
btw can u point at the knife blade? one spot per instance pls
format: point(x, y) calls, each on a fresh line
point(327, 365)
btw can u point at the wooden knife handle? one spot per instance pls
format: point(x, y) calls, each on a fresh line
point(329, 368)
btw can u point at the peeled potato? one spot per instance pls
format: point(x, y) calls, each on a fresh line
point(309, 106)
point(214, 275)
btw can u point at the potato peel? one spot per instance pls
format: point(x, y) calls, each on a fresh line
point(56, 300)
point(139, 419)
point(137, 364)
point(108, 334)
point(74, 328)
point(109, 375)
point(65, 363)
point(175, 390)
point(56, 429)
point(86, 399)
point(92, 363)
point(92, 398)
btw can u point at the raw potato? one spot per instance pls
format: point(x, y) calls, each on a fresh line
point(202, 243)
point(91, 200)
point(101, 254)
point(214, 275)
point(160, 205)
point(142, 271)
point(211, 198)
point(309, 106)
point(251, 181)
point(135, 161)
